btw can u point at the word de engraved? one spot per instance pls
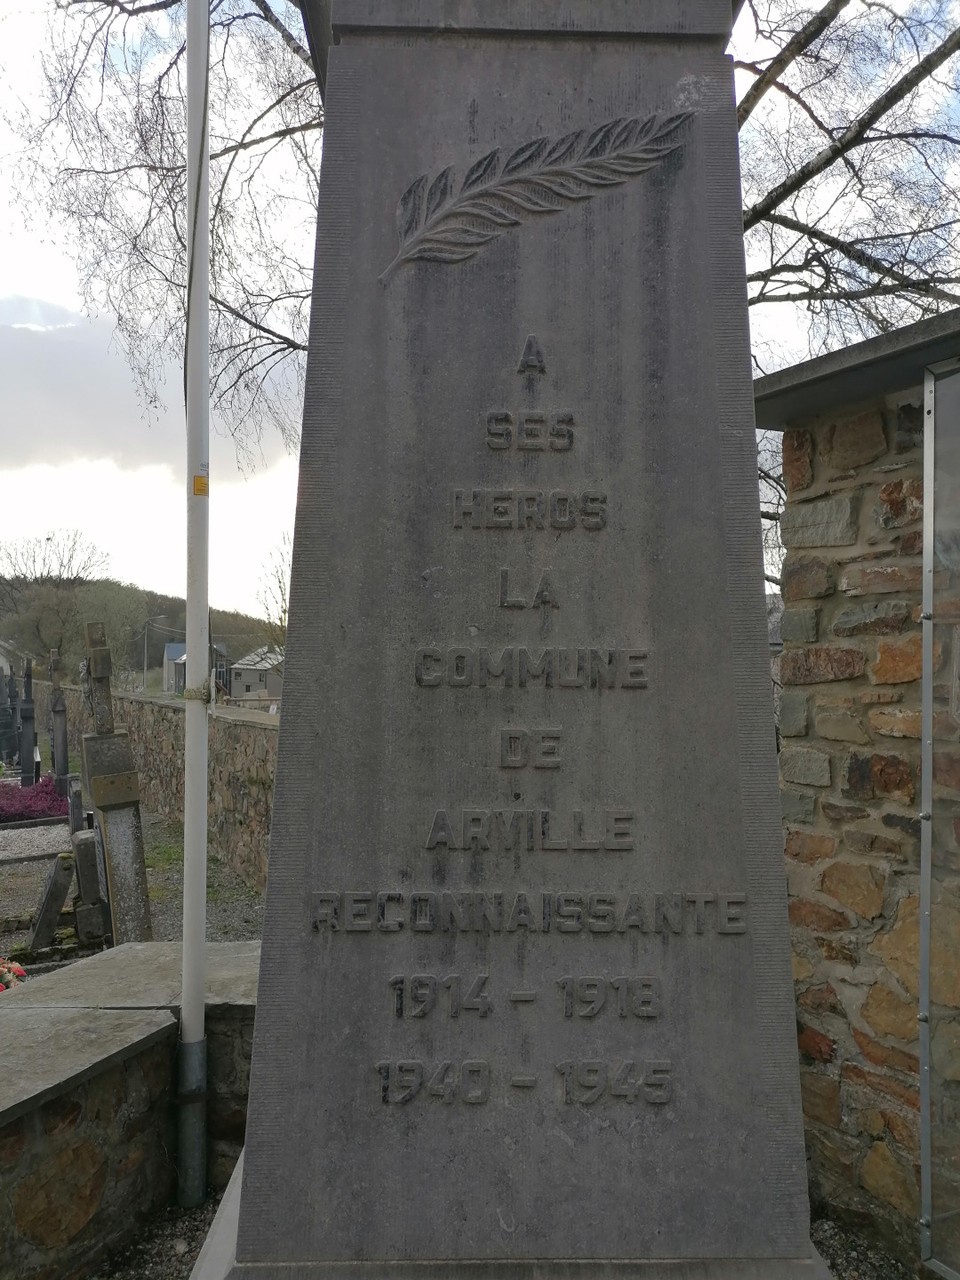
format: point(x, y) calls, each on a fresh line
point(543, 176)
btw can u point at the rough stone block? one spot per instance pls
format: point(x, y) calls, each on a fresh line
point(840, 726)
point(855, 442)
point(843, 812)
point(868, 842)
point(52, 902)
point(856, 886)
point(805, 767)
point(899, 502)
point(821, 1097)
point(899, 661)
point(945, 1050)
point(797, 459)
point(820, 664)
point(888, 1014)
point(909, 432)
point(857, 1077)
point(793, 713)
point(878, 618)
point(815, 1045)
point(824, 522)
point(887, 1178)
point(799, 626)
point(807, 914)
point(797, 806)
point(946, 769)
point(881, 579)
point(895, 722)
point(807, 578)
point(869, 777)
point(809, 846)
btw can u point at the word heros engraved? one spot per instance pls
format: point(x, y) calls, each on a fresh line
point(525, 999)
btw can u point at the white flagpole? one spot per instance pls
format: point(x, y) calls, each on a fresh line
point(193, 1073)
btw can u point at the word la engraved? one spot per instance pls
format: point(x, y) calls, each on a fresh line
point(544, 597)
point(530, 432)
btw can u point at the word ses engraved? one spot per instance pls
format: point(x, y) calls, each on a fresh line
point(544, 176)
point(393, 911)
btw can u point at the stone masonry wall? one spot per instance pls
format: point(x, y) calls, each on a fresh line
point(849, 769)
point(81, 1172)
point(243, 751)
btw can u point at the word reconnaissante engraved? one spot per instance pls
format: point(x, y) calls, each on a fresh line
point(559, 510)
point(435, 223)
point(460, 667)
point(393, 911)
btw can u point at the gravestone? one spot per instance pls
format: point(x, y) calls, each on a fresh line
point(60, 749)
point(55, 890)
point(28, 731)
point(525, 1005)
point(110, 780)
point(8, 732)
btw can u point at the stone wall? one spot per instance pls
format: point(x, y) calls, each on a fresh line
point(849, 768)
point(243, 750)
point(81, 1172)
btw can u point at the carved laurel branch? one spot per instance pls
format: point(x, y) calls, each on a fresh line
point(543, 176)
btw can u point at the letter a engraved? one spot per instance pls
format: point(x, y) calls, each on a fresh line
point(532, 359)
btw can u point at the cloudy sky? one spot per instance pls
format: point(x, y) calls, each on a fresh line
point(78, 451)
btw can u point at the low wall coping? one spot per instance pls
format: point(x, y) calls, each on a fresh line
point(45, 1056)
point(141, 975)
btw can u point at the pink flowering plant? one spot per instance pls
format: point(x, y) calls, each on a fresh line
point(10, 973)
point(20, 804)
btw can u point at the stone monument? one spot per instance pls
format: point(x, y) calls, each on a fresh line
point(110, 780)
point(525, 1005)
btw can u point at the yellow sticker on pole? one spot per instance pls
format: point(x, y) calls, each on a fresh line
point(201, 487)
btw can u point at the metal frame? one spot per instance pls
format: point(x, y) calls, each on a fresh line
point(931, 375)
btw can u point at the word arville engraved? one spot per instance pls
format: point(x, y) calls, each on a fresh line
point(532, 830)
point(541, 177)
point(395, 910)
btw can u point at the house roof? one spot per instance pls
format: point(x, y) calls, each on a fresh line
point(173, 650)
point(263, 659)
point(219, 647)
point(892, 362)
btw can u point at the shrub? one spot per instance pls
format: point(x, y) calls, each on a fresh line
point(20, 804)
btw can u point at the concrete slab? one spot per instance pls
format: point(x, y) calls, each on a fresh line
point(45, 1055)
point(143, 975)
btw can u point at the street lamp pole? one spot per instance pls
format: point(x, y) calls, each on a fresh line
point(157, 617)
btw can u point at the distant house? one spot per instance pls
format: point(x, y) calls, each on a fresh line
point(258, 678)
point(219, 665)
point(173, 650)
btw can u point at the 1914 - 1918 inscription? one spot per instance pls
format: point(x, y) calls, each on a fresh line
point(525, 942)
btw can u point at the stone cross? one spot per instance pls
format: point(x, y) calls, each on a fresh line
point(58, 712)
point(525, 1005)
point(96, 676)
point(111, 781)
point(28, 731)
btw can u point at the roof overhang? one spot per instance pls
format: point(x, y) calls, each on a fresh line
point(318, 24)
point(878, 367)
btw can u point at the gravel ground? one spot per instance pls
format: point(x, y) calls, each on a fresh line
point(168, 1247)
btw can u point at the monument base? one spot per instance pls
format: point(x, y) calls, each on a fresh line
point(218, 1261)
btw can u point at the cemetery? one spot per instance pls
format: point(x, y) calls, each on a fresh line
point(586, 954)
